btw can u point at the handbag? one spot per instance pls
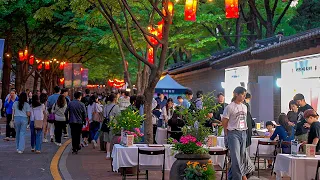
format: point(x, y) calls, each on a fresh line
point(105, 124)
point(97, 116)
point(38, 124)
point(51, 117)
point(11, 124)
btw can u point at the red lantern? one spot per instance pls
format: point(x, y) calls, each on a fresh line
point(170, 9)
point(150, 55)
point(61, 80)
point(160, 29)
point(190, 10)
point(25, 54)
point(154, 32)
point(40, 66)
point(110, 83)
point(21, 56)
point(47, 65)
point(31, 59)
point(232, 9)
point(61, 66)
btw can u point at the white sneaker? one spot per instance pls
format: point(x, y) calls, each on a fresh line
point(45, 140)
point(108, 155)
point(20, 152)
point(58, 144)
point(94, 144)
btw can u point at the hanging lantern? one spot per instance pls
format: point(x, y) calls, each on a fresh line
point(110, 83)
point(170, 9)
point(150, 55)
point(31, 59)
point(21, 56)
point(25, 54)
point(61, 80)
point(160, 29)
point(190, 10)
point(47, 65)
point(154, 32)
point(40, 66)
point(232, 9)
point(61, 66)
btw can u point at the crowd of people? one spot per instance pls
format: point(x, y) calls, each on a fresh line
point(87, 113)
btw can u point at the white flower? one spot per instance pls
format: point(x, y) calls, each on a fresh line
point(294, 3)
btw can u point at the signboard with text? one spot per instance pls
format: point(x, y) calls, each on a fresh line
point(235, 77)
point(84, 77)
point(68, 75)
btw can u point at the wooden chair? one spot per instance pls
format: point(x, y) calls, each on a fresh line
point(266, 156)
point(223, 169)
point(151, 167)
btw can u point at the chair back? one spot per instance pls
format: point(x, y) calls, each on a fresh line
point(151, 152)
point(268, 143)
point(218, 152)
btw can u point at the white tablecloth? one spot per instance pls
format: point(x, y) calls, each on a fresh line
point(298, 168)
point(253, 147)
point(161, 135)
point(261, 132)
point(128, 157)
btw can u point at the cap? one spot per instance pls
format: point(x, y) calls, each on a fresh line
point(310, 112)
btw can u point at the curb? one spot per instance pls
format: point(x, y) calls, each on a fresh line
point(54, 166)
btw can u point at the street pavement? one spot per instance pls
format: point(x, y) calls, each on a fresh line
point(28, 165)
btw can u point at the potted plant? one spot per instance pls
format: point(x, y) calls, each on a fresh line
point(195, 134)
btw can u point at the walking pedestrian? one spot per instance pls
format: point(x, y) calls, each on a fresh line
point(51, 100)
point(10, 131)
point(59, 108)
point(76, 115)
point(234, 122)
point(43, 100)
point(20, 113)
point(65, 93)
point(37, 114)
point(96, 118)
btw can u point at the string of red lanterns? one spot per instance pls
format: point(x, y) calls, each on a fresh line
point(116, 83)
point(232, 8)
point(190, 10)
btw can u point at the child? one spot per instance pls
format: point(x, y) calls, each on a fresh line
point(270, 127)
point(85, 133)
point(311, 117)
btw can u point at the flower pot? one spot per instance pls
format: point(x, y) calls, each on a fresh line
point(178, 167)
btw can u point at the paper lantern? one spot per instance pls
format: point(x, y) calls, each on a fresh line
point(232, 8)
point(190, 10)
point(21, 56)
point(150, 55)
point(47, 65)
point(154, 32)
point(25, 54)
point(61, 66)
point(40, 66)
point(61, 80)
point(31, 59)
point(160, 29)
point(170, 9)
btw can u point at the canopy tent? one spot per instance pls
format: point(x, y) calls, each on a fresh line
point(168, 85)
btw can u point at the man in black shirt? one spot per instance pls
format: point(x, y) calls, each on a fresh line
point(302, 126)
point(220, 109)
point(86, 98)
point(311, 117)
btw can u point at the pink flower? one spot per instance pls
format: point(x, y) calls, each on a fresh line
point(199, 144)
point(141, 135)
point(135, 135)
point(137, 130)
point(119, 140)
point(175, 141)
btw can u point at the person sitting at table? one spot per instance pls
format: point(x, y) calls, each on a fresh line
point(269, 126)
point(211, 122)
point(176, 123)
point(312, 117)
point(284, 131)
point(167, 112)
point(293, 113)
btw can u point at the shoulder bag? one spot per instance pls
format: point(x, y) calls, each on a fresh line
point(38, 124)
point(51, 117)
point(97, 116)
point(105, 124)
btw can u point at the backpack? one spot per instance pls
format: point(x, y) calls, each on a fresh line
point(105, 124)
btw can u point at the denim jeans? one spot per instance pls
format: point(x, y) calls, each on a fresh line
point(20, 123)
point(237, 146)
point(97, 133)
point(36, 137)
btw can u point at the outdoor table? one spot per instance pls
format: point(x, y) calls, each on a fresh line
point(161, 135)
point(297, 168)
point(262, 132)
point(128, 156)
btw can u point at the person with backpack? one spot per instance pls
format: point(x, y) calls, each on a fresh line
point(36, 123)
point(59, 108)
point(111, 110)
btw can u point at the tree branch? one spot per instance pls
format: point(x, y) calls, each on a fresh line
point(282, 14)
point(256, 12)
point(274, 7)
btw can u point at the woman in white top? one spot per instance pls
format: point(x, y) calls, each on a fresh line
point(166, 112)
point(96, 108)
point(59, 109)
point(37, 113)
point(20, 112)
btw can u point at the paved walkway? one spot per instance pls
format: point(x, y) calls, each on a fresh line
point(28, 165)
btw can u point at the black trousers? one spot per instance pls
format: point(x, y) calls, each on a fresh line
point(10, 131)
point(75, 135)
point(58, 127)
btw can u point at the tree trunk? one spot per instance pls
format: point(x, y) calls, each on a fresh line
point(35, 82)
point(18, 76)
point(139, 78)
point(148, 126)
